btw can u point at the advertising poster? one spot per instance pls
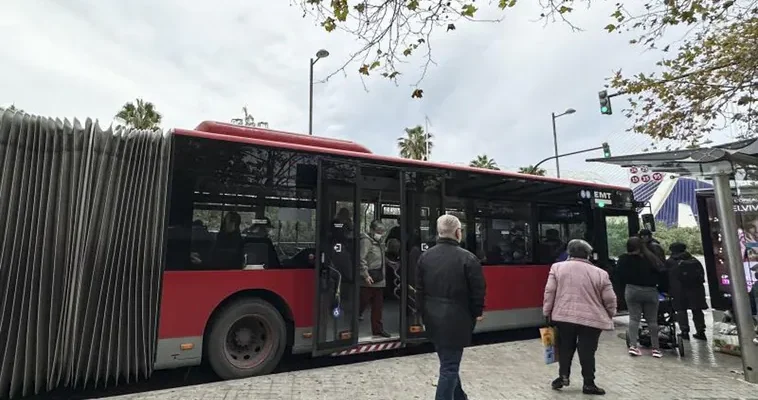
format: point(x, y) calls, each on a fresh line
point(746, 212)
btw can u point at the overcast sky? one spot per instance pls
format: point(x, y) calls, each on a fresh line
point(492, 91)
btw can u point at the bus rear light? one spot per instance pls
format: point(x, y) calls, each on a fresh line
point(187, 346)
point(307, 335)
point(415, 328)
point(344, 335)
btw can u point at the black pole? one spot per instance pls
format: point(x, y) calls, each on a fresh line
point(566, 154)
point(310, 102)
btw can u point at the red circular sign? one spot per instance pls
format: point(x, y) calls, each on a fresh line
point(658, 176)
point(635, 179)
point(633, 170)
point(646, 178)
point(643, 169)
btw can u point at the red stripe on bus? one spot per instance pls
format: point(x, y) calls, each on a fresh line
point(190, 297)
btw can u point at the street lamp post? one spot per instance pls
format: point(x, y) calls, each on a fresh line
point(555, 139)
point(319, 55)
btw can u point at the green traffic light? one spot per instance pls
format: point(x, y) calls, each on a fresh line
point(600, 204)
point(604, 109)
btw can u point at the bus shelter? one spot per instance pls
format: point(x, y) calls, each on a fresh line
point(720, 164)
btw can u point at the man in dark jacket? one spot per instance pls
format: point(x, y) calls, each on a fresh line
point(655, 246)
point(450, 292)
point(686, 286)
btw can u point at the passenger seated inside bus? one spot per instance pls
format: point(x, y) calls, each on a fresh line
point(258, 249)
point(259, 228)
point(518, 250)
point(551, 246)
point(240, 241)
point(201, 242)
point(228, 250)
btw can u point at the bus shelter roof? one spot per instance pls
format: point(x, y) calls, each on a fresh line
point(704, 161)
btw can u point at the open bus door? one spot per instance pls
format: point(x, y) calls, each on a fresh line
point(614, 227)
point(336, 302)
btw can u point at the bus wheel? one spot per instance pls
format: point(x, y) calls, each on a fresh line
point(248, 338)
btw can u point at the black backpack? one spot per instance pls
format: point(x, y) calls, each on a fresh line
point(690, 272)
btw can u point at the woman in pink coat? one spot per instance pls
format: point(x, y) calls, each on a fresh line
point(579, 300)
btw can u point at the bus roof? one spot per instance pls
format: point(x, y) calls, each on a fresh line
point(315, 144)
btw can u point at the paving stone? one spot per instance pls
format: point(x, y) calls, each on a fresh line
point(512, 370)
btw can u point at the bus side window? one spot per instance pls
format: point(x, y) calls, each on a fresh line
point(505, 232)
point(557, 226)
point(268, 195)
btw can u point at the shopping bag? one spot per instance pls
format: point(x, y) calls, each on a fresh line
point(549, 337)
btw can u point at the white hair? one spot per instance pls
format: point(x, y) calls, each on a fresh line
point(447, 225)
point(579, 248)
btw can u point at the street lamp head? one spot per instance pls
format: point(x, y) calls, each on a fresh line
point(569, 111)
point(322, 54)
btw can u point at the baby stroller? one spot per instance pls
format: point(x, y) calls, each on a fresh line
point(667, 336)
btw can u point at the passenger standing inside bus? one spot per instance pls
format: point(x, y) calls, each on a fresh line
point(372, 272)
point(450, 292)
point(640, 272)
point(580, 301)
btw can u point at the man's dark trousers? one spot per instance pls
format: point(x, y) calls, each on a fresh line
point(449, 383)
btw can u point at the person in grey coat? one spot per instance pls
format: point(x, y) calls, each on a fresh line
point(372, 271)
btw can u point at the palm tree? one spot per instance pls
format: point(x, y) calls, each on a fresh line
point(414, 144)
point(141, 115)
point(482, 161)
point(532, 170)
point(248, 120)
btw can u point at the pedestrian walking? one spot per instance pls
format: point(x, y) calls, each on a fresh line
point(687, 288)
point(579, 300)
point(640, 271)
point(450, 292)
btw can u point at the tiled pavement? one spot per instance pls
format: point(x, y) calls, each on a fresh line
point(512, 370)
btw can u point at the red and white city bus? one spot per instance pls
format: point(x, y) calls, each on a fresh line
point(293, 289)
point(128, 251)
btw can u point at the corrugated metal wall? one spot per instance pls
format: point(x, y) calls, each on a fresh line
point(82, 217)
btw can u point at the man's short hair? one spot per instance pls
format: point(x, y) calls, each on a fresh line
point(376, 225)
point(447, 225)
point(578, 248)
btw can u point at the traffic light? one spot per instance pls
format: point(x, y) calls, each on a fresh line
point(606, 150)
point(605, 103)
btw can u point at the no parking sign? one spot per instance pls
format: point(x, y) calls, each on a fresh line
point(642, 174)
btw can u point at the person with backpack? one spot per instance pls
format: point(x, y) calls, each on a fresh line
point(687, 287)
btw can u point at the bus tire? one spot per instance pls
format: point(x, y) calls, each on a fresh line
point(247, 339)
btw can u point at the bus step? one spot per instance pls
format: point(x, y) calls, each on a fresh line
point(368, 348)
